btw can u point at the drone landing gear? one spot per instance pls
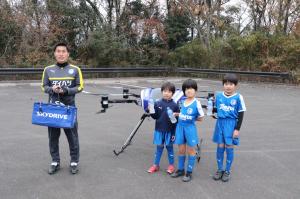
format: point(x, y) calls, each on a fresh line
point(132, 134)
point(198, 150)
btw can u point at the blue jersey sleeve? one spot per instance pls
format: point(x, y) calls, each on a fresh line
point(241, 104)
point(199, 109)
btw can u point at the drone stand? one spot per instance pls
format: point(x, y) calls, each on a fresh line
point(132, 134)
point(198, 150)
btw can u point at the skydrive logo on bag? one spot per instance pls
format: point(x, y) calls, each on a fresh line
point(54, 115)
point(51, 115)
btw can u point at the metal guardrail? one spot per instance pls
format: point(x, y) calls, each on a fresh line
point(285, 75)
point(29, 71)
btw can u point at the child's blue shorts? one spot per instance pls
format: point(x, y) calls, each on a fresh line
point(186, 134)
point(224, 130)
point(162, 138)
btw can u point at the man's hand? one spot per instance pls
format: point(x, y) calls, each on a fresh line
point(63, 90)
point(59, 90)
point(56, 89)
point(236, 133)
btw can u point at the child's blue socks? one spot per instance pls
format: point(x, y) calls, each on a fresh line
point(181, 160)
point(170, 154)
point(230, 157)
point(158, 153)
point(191, 163)
point(220, 157)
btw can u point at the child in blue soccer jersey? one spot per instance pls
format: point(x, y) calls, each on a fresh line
point(230, 108)
point(164, 130)
point(186, 132)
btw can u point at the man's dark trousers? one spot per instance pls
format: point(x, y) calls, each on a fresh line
point(72, 136)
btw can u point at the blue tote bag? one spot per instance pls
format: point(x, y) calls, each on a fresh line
point(54, 115)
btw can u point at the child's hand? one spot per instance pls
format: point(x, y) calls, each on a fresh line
point(176, 114)
point(173, 138)
point(236, 133)
point(200, 119)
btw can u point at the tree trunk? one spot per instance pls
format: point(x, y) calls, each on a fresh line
point(286, 18)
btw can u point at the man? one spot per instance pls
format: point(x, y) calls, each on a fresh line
point(62, 81)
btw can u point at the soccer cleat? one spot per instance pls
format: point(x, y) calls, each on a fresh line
point(54, 167)
point(218, 175)
point(154, 168)
point(226, 176)
point(187, 177)
point(170, 169)
point(74, 167)
point(177, 174)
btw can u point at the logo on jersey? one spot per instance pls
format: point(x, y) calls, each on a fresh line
point(71, 71)
point(62, 83)
point(185, 117)
point(52, 71)
point(189, 111)
point(226, 108)
point(233, 102)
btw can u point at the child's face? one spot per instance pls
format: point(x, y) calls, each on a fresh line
point(229, 88)
point(190, 93)
point(167, 94)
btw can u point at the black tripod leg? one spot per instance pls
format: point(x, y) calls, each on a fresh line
point(132, 134)
point(198, 150)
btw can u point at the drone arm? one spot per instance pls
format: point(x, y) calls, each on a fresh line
point(123, 101)
point(135, 95)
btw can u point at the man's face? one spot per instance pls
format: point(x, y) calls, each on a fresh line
point(229, 88)
point(61, 54)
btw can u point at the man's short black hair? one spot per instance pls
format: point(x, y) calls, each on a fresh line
point(61, 44)
point(189, 83)
point(230, 77)
point(168, 86)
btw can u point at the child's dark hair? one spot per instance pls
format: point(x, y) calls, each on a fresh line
point(230, 77)
point(168, 86)
point(61, 44)
point(189, 83)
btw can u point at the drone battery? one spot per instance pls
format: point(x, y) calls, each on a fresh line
point(150, 93)
point(125, 93)
point(178, 95)
point(104, 102)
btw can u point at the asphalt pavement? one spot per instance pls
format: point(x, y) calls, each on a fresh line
point(266, 163)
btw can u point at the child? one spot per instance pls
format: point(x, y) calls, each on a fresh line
point(186, 132)
point(164, 129)
point(230, 107)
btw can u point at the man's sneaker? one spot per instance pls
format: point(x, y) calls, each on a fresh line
point(226, 176)
point(218, 175)
point(154, 168)
point(187, 177)
point(54, 167)
point(170, 169)
point(177, 174)
point(74, 167)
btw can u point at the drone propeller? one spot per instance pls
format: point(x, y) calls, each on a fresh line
point(206, 91)
point(102, 94)
point(115, 87)
point(131, 86)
